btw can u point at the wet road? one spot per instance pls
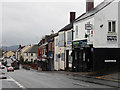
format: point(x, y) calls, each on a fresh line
point(32, 79)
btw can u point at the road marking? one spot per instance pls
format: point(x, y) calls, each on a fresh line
point(85, 85)
point(103, 77)
point(11, 79)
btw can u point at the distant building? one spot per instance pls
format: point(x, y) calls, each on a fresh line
point(0, 53)
point(18, 52)
point(31, 54)
point(8, 54)
point(50, 55)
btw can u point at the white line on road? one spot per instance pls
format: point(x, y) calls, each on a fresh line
point(11, 79)
point(85, 85)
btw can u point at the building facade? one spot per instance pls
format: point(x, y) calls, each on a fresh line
point(31, 54)
point(63, 46)
point(96, 38)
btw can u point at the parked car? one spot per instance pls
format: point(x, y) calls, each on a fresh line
point(10, 68)
point(2, 66)
point(3, 75)
point(15, 64)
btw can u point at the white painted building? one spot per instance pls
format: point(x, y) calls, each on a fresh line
point(97, 37)
point(31, 54)
point(63, 46)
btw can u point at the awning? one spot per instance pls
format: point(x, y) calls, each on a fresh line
point(80, 39)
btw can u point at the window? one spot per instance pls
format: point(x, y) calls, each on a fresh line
point(56, 42)
point(69, 35)
point(62, 37)
point(31, 54)
point(111, 26)
point(26, 54)
point(62, 57)
point(76, 33)
point(70, 58)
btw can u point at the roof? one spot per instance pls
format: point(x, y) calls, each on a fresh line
point(19, 49)
point(32, 49)
point(94, 10)
point(44, 44)
point(67, 27)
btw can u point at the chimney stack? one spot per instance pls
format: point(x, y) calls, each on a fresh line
point(52, 32)
point(72, 16)
point(19, 46)
point(89, 5)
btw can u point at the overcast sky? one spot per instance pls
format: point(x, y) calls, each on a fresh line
point(26, 22)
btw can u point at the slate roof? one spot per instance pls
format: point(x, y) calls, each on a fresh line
point(88, 14)
point(67, 27)
point(94, 10)
point(32, 49)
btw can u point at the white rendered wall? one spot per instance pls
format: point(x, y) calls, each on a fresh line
point(101, 18)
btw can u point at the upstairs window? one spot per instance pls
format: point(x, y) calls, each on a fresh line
point(69, 34)
point(62, 37)
point(31, 54)
point(56, 42)
point(76, 33)
point(111, 26)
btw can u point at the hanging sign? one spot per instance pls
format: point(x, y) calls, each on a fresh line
point(88, 26)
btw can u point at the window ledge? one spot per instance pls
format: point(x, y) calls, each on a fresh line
point(112, 33)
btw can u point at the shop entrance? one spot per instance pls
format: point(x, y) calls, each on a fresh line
point(83, 60)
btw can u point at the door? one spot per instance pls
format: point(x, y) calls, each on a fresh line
point(67, 60)
point(58, 63)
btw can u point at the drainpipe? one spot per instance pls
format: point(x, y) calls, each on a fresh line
point(64, 48)
point(72, 48)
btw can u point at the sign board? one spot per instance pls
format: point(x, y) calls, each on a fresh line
point(88, 26)
point(69, 42)
point(110, 61)
point(111, 38)
point(78, 44)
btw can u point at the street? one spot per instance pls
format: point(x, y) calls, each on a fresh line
point(33, 79)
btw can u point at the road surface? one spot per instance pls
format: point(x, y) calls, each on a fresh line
point(33, 79)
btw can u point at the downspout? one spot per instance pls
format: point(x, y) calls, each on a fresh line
point(64, 48)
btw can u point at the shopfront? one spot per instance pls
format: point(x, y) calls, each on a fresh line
point(82, 56)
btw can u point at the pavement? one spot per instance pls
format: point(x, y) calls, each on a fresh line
point(113, 76)
point(109, 79)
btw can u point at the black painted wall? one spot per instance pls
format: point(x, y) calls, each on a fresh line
point(101, 54)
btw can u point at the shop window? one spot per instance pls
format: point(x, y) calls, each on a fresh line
point(62, 56)
point(75, 55)
point(70, 58)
